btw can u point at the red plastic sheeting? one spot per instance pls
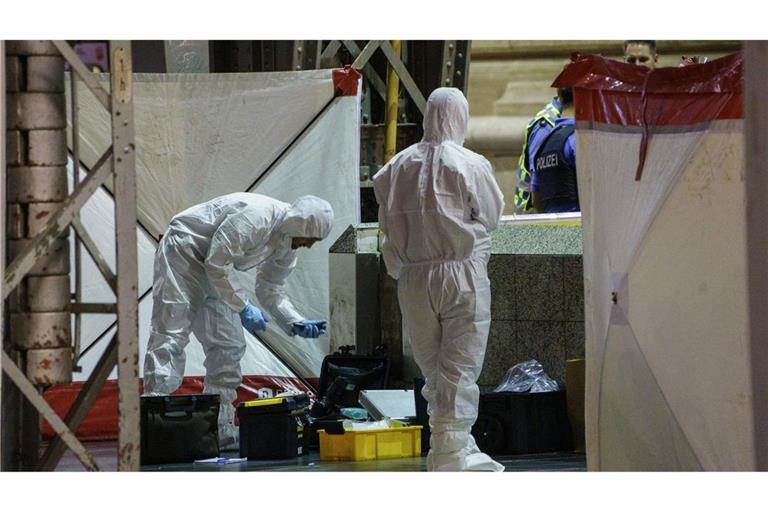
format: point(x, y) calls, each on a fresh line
point(345, 81)
point(101, 422)
point(613, 92)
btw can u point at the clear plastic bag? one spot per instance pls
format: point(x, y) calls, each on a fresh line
point(527, 377)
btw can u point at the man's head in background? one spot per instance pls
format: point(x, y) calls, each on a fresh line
point(641, 53)
point(565, 96)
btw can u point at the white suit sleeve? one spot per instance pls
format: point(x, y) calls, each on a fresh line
point(270, 290)
point(485, 197)
point(234, 236)
point(381, 189)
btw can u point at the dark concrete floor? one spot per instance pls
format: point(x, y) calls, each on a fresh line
point(105, 454)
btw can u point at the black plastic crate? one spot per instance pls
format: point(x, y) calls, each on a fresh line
point(519, 423)
point(273, 428)
point(179, 428)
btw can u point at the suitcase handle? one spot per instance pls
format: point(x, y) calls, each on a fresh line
point(176, 409)
point(177, 414)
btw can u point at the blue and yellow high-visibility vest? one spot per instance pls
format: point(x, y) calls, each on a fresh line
point(555, 175)
point(549, 115)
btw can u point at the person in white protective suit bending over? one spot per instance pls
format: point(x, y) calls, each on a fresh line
point(438, 202)
point(196, 290)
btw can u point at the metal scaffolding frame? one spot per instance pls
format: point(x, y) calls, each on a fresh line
point(118, 162)
point(2, 222)
point(422, 67)
point(362, 62)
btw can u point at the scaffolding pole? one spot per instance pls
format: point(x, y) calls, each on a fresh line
point(127, 268)
point(2, 227)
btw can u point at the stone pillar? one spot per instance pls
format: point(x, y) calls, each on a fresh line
point(37, 185)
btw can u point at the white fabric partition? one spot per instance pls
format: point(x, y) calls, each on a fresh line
point(661, 180)
point(200, 136)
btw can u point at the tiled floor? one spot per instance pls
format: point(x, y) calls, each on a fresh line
point(105, 454)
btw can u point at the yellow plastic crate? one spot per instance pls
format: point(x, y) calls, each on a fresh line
point(396, 442)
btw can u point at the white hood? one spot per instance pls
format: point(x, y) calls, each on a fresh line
point(446, 116)
point(309, 217)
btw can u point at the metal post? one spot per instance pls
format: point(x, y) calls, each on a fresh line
point(449, 57)
point(306, 55)
point(75, 181)
point(312, 52)
point(461, 68)
point(298, 55)
point(455, 64)
point(393, 96)
point(756, 177)
point(2, 228)
point(127, 269)
point(268, 59)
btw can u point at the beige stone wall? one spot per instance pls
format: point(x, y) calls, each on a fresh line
point(509, 81)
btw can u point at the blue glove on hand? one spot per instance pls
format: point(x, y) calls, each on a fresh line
point(310, 328)
point(253, 319)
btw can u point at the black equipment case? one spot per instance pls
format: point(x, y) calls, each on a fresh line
point(273, 428)
point(342, 376)
point(179, 428)
point(517, 423)
point(355, 373)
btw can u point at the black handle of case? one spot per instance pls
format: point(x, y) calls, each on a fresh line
point(178, 404)
point(177, 414)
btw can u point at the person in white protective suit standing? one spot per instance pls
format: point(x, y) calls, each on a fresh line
point(196, 290)
point(438, 202)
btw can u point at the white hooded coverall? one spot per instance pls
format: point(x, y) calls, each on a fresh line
point(195, 289)
point(438, 202)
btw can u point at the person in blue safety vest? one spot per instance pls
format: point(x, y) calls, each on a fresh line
point(553, 159)
point(541, 124)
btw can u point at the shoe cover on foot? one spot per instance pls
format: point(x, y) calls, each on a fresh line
point(482, 462)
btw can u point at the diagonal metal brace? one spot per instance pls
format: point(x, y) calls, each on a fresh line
point(329, 52)
point(23, 263)
point(362, 59)
point(93, 250)
point(82, 404)
point(36, 399)
point(373, 77)
point(405, 76)
point(89, 78)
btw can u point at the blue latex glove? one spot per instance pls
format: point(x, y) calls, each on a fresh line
point(310, 328)
point(253, 319)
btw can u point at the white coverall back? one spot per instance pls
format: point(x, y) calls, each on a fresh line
point(196, 291)
point(438, 202)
